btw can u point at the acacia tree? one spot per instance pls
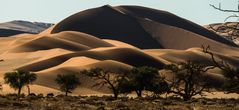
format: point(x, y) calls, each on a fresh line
point(31, 78)
point(143, 79)
point(231, 74)
point(67, 82)
point(103, 77)
point(18, 79)
point(188, 79)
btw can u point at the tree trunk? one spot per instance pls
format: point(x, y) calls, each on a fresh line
point(28, 89)
point(139, 93)
point(186, 98)
point(19, 92)
point(66, 93)
point(115, 91)
point(115, 94)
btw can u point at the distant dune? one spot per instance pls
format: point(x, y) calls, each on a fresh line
point(19, 27)
point(116, 39)
point(229, 30)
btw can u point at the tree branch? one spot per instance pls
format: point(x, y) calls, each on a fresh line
point(224, 10)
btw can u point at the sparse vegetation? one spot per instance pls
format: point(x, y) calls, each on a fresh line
point(104, 77)
point(101, 103)
point(18, 79)
point(231, 73)
point(143, 79)
point(188, 79)
point(67, 82)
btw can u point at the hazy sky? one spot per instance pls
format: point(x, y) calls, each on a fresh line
point(54, 11)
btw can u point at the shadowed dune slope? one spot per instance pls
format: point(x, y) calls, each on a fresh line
point(128, 56)
point(45, 43)
point(177, 38)
point(172, 20)
point(139, 27)
point(8, 32)
point(82, 38)
point(19, 27)
point(107, 23)
point(74, 41)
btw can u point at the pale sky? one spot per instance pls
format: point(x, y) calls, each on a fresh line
point(54, 11)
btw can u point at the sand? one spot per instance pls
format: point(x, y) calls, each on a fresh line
point(92, 38)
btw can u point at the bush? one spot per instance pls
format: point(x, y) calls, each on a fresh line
point(49, 95)
point(32, 94)
point(40, 95)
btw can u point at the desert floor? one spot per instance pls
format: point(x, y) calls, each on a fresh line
point(10, 102)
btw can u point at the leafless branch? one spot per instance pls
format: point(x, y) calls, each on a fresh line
point(224, 10)
point(232, 16)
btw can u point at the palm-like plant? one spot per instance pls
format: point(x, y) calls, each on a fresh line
point(18, 79)
point(67, 82)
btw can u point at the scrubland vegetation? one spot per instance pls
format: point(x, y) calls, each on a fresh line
point(188, 80)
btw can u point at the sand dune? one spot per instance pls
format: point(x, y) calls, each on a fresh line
point(14, 60)
point(193, 54)
point(171, 20)
point(179, 38)
point(82, 38)
point(116, 39)
point(137, 27)
point(7, 32)
point(74, 41)
point(45, 43)
point(49, 75)
point(229, 30)
point(117, 26)
point(18, 27)
point(118, 43)
point(128, 56)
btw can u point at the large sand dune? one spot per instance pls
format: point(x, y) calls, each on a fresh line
point(113, 38)
point(123, 23)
